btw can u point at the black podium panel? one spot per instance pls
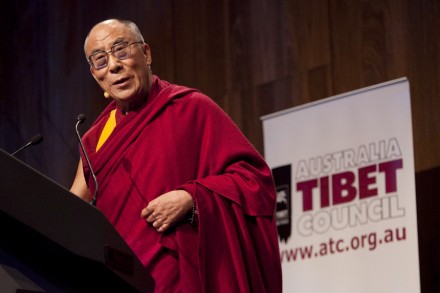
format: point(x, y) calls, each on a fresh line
point(57, 240)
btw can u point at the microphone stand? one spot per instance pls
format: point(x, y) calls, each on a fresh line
point(81, 119)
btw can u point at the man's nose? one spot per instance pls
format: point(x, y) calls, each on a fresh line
point(114, 64)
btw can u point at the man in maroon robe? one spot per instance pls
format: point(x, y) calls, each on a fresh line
point(178, 180)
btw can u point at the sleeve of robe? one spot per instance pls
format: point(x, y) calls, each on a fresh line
point(237, 247)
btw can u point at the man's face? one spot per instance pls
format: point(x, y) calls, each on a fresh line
point(128, 80)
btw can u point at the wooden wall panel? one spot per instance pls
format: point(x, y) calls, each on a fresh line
point(157, 26)
point(199, 45)
point(312, 32)
point(424, 74)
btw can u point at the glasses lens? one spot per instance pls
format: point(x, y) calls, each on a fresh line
point(121, 51)
point(99, 60)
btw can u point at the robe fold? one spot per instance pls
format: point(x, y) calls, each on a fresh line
point(180, 139)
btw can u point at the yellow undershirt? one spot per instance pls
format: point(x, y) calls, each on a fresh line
point(108, 128)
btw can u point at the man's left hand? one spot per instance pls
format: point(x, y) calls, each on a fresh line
point(167, 209)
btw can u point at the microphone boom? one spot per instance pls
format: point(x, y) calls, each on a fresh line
point(80, 119)
point(34, 141)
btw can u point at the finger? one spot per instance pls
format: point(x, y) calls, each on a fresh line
point(152, 218)
point(146, 212)
point(163, 227)
point(157, 224)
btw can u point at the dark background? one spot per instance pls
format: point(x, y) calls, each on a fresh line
point(253, 57)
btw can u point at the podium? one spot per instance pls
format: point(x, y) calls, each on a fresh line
point(53, 241)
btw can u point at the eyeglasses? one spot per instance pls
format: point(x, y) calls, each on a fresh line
point(99, 60)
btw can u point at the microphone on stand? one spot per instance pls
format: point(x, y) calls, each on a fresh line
point(80, 119)
point(35, 140)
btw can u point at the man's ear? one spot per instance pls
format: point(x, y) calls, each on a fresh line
point(147, 53)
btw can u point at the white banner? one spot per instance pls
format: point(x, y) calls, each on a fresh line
point(346, 207)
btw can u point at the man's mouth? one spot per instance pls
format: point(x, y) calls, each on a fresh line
point(120, 81)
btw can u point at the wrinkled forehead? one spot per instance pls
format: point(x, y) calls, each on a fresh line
point(106, 34)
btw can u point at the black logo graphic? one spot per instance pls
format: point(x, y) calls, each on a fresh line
point(283, 213)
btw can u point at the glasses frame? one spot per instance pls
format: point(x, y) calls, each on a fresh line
point(128, 45)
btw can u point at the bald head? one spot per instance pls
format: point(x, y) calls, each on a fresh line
point(131, 27)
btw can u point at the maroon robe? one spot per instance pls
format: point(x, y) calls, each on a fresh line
point(180, 139)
